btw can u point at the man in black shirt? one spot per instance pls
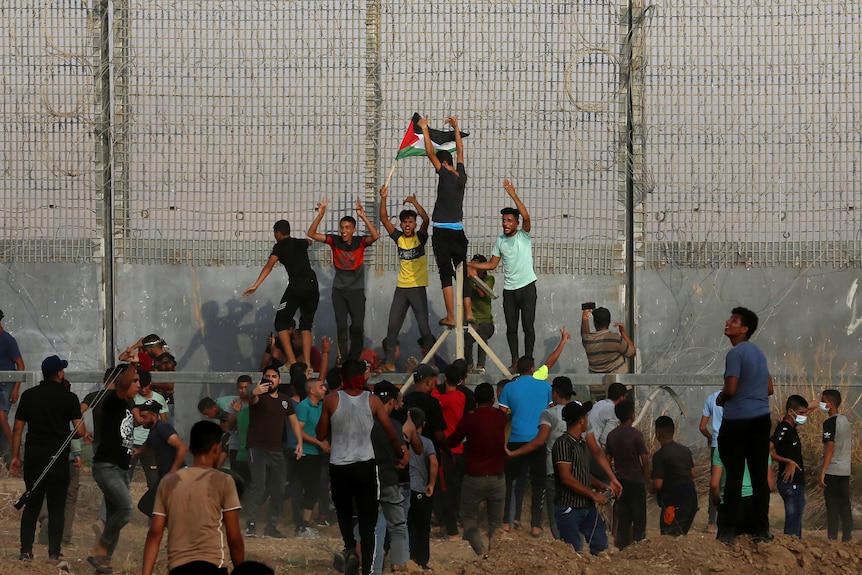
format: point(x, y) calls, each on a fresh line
point(111, 463)
point(301, 294)
point(787, 451)
point(449, 240)
point(47, 409)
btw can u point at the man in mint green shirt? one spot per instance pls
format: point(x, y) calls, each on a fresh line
point(514, 248)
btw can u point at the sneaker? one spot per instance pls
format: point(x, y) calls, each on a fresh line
point(323, 521)
point(480, 370)
point(764, 537)
point(307, 533)
point(26, 556)
point(338, 560)
point(250, 529)
point(271, 531)
point(352, 565)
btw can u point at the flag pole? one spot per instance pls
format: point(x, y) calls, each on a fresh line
point(391, 171)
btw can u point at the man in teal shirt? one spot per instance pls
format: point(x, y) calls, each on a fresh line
point(514, 248)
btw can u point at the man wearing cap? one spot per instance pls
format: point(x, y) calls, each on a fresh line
point(10, 360)
point(514, 248)
point(484, 435)
point(526, 397)
point(47, 410)
point(410, 290)
point(480, 302)
point(169, 449)
point(424, 381)
point(575, 500)
point(146, 457)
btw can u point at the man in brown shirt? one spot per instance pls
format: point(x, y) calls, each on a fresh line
point(606, 351)
point(268, 411)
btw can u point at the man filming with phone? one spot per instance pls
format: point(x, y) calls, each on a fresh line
point(606, 351)
point(269, 409)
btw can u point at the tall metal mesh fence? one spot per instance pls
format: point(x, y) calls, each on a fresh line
point(196, 124)
point(753, 112)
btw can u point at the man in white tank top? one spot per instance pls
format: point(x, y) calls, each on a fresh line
point(346, 420)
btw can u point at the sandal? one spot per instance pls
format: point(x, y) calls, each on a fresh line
point(100, 563)
point(445, 323)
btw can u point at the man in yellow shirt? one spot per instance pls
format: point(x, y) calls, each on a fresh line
point(412, 275)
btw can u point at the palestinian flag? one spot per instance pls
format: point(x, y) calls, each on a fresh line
point(413, 143)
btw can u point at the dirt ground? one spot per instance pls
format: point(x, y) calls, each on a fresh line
point(513, 553)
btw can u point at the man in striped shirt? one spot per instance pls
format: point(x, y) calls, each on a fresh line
point(575, 501)
point(606, 351)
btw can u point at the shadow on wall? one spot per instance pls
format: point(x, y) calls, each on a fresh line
point(219, 336)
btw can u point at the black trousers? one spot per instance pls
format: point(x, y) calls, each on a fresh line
point(535, 461)
point(303, 296)
point(419, 527)
point(742, 441)
point(448, 492)
point(631, 509)
point(837, 496)
point(54, 487)
point(309, 477)
point(356, 484)
point(521, 302)
point(198, 568)
point(415, 298)
point(349, 304)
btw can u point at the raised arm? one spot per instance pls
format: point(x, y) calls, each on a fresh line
point(555, 355)
point(429, 146)
point(267, 268)
point(423, 227)
point(525, 215)
point(384, 212)
point(459, 144)
point(373, 234)
point(623, 334)
point(487, 266)
point(312, 229)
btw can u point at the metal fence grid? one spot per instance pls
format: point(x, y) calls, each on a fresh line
point(753, 113)
point(224, 116)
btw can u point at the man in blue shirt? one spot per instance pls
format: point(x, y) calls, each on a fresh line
point(526, 397)
point(10, 360)
point(746, 423)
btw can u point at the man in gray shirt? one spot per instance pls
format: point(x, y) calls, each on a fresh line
point(835, 470)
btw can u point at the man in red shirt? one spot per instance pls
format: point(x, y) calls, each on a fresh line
point(452, 401)
point(485, 453)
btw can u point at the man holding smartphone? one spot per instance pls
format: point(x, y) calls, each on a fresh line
point(606, 351)
point(268, 411)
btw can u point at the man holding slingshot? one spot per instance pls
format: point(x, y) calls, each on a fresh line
point(47, 409)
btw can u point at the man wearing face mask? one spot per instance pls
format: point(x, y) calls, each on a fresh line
point(786, 449)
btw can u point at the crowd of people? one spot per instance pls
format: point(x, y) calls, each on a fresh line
point(387, 463)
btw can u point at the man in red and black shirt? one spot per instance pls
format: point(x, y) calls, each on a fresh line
point(485, 451)
point(348, 287)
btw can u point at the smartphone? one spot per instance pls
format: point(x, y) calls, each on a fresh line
point(588, 305)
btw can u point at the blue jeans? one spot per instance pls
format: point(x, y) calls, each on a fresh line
point(573, 523)
point(391, 514)
point(114, 483)
point(793, 495)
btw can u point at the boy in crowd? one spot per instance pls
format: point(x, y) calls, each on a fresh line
point(575, 501)
point(835, 471)
point(196, 541)
point(627, 450)
point(786, 449)
point(348, 287)
point(673, 480)
point(309, 466)
point(482, 311)
point(412, 276)
point(423, 478)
